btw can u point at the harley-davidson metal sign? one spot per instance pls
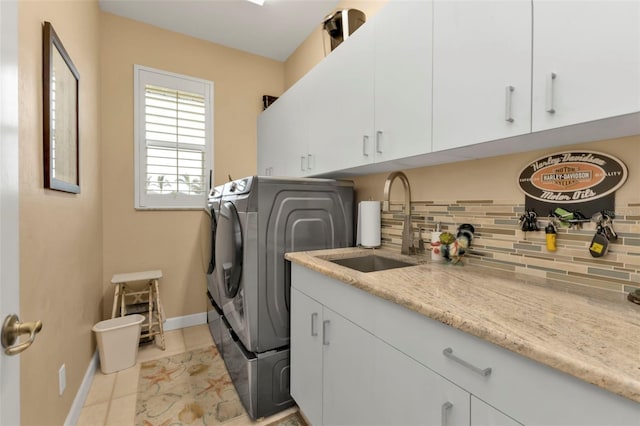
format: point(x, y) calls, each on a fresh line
point(572, 177)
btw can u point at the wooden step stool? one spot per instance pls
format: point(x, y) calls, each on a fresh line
point(134, 298)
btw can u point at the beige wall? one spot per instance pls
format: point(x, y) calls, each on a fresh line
point(317, 45)
point(176, 242)
point(60, 233)
point(495, 178)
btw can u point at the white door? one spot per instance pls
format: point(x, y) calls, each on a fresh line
point(408, 393)
point(9, 257)
point(306, 355)
point(482, 414)
point(349, 377)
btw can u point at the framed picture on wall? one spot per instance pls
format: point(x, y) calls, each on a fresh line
point(60, 104)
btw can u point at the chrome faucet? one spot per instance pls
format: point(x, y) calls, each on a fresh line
point(407, 240)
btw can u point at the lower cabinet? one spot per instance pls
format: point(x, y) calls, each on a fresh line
point(306, 355)
point(343, 375)
point(482, 414)
point(334, 370)
point(357, 359)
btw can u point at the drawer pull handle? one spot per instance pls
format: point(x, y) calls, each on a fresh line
point(446, 407)
point(485, 372)
point(314, 317)
point(325, 339)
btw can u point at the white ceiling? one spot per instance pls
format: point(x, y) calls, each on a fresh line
point(274, 30)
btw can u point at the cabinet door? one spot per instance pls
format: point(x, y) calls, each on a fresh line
point(408, 393)
point(306, 355)
point(402, 73)
point(349, 376)
point(593, 50)
point(481, 71)
point(341, 106)
point(482, 414)
point(271, 139)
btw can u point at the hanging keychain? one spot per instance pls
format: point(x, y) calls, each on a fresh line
point(604, 233)
point(551, 235)
point(600, 243)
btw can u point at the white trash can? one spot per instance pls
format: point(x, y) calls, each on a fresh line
point(118, 340)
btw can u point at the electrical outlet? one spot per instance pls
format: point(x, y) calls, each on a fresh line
point(62, 378)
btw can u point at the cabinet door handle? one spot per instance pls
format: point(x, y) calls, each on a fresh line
point(446, 407)
point(365, 144)
point(448, 352)
point(302, 158)
point(310, 162)
point(314, 317)
point(551, 79)
point(379, 141)
point(325, 339)
point(507, 107)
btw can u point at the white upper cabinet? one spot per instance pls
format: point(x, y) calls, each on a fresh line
point(586, 61)
point(481, 72)
point(478, 78)
point(270, 139)
point(403, 80)
point(370, 99)
point(339, 101)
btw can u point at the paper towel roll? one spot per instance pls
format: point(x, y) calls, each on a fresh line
point(368, 231)
point(436, 253)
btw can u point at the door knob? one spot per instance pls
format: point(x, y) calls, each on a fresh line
point(12, 328)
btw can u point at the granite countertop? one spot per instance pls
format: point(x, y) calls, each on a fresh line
point(591, 334)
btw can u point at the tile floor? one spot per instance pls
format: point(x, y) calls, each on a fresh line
point(112, 397)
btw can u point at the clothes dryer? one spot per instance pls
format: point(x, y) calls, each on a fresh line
point(260, 219)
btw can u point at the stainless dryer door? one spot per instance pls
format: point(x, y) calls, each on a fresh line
point(229, 249)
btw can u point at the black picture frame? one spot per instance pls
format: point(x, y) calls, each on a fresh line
point(61, 84)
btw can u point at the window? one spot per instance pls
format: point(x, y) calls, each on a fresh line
point(173, 139)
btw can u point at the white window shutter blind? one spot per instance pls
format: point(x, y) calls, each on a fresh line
point(173, 142)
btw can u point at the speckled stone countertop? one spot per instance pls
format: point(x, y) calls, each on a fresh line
point(591, 334)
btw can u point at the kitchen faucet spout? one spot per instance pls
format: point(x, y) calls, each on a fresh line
point(407, 240)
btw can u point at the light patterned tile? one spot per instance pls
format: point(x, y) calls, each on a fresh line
point(101, 388)
point(122, 411)
point(126, 382)
point(93, 415)
point(197, 337)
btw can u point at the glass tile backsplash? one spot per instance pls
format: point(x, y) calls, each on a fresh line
point(500, 243)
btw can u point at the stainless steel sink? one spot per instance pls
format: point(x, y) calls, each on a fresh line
point(371, 263)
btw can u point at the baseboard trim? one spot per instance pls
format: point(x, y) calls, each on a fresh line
point(176, 323)
point(83, 391)
point(81, 396)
